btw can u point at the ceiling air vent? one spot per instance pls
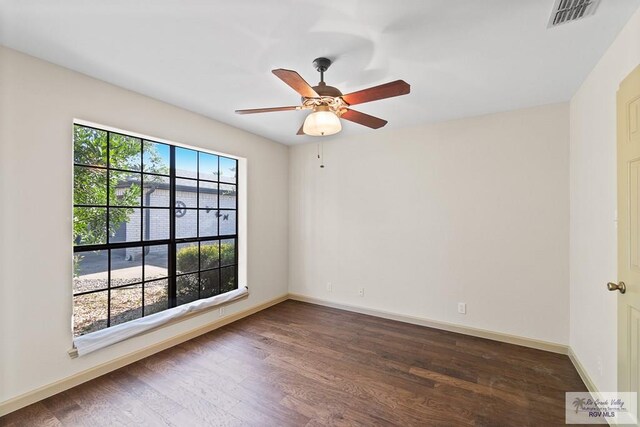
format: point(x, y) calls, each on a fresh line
point(571, 10)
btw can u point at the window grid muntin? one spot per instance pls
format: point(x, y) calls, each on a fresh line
point(172, 242)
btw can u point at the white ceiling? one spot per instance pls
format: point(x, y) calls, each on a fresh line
point(461, 57)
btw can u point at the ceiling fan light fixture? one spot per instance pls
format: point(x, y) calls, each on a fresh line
point(322, 122)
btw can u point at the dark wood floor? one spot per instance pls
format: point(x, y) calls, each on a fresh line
point(298, 364)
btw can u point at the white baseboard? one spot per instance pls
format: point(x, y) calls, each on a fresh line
point(451, 327)
point(48, 390)
point(584, 375)
point(586, 379)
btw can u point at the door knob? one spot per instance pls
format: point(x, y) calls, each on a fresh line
point(617, 287)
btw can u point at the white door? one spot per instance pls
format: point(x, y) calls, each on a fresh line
point(629, 234)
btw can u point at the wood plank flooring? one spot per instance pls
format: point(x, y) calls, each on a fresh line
point(298, 364)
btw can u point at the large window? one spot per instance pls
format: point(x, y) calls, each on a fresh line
point(154, 227)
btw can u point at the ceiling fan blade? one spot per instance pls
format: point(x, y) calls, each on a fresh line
point(300, 131)
point(363, 119)
point(267, 110)
point(387, 90)
point(296, 82)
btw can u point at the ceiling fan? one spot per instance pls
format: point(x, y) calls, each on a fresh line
point(329, 105)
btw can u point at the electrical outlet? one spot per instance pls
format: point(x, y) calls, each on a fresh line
point(462, 308)
point(361, 292)
point(222, 311)
point(329, 287)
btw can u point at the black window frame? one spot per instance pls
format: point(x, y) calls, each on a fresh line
point(172, 242)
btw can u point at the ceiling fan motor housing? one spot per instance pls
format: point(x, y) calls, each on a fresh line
point(325, 90)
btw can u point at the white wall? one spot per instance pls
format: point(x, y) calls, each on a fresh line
point(37, 104)
point(474, 210)
point(593, 205)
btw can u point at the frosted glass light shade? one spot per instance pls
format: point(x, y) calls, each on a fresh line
point(322, 122)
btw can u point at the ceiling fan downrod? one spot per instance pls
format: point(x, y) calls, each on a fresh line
point(321, 65)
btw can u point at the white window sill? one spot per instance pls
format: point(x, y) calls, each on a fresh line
point(93, 341)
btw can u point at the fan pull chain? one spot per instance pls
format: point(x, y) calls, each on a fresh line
point(321, 154)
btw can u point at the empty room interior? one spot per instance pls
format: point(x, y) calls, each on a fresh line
point(304, 213)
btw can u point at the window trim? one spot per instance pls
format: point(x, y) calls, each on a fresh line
point(172, 242)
